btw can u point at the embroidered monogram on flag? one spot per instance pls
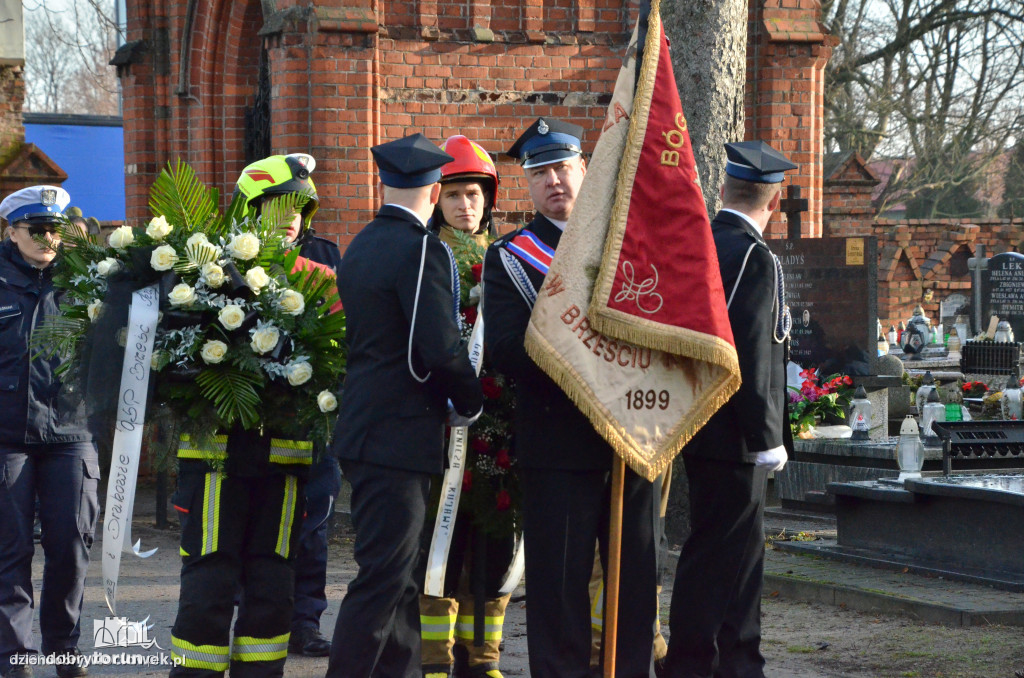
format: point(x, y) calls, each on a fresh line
point(531, 250)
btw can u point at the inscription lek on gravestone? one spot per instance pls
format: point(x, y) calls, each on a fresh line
point(1003, 290)
point(831, 289)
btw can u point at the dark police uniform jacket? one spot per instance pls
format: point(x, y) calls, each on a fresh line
point(387, 416)
point(753, 419)
point(36, 410)
point(550, 430)
point(320, 250)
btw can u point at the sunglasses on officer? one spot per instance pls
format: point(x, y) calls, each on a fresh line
point(37, 229)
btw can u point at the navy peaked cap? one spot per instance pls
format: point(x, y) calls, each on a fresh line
point(756, 161)
point(546, 141)
point(409, 162)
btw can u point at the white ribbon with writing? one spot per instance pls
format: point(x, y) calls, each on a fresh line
point(444, 525)
point(131, 416)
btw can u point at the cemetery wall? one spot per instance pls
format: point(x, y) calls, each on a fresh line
point(926, 261)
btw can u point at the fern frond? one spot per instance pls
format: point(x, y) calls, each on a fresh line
point(234, 394)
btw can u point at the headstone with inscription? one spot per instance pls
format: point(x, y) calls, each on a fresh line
point(831, 289)
point(1003, 290)
point(952, 309)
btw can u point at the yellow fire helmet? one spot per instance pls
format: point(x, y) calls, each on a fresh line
point(279, 175)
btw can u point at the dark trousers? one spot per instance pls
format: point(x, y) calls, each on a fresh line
point(64, 477)
point(565, 514)
point(378, 628)
point(715, 618)
point(311, 559)
point(235, 532)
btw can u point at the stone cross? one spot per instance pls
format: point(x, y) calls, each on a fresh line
point(793, 206)
point(977, 264)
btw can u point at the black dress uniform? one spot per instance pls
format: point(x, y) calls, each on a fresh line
point(715, 614)
point(406, 360)
point(565, 469)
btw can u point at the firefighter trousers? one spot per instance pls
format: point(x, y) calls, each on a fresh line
point(237, 534)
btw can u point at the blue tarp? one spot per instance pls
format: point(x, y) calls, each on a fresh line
point(93, 157)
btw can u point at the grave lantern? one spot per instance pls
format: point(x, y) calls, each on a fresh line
point(883, 345)
point(1004, 333)
point(893, 336)
point(934, 411)
point(860, 415)
point(939, 335)
point(1010, 403)
point(909, 450)
point(900, 329)
point(926, 387)
point(953, 345)
point(918, 333)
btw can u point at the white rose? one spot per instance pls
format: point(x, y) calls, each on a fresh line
point(163, 258)
point(197, 239)
point(200, 250)
point(256, 278)
point(326, 401)
point(181, 295)
point(244, 246)
point(214, 351)
point(121, 237)
point(213, 274)
point(231, 316)
point(158, 228)
point(265, 339)
point(93, 310)
point(292, 302)
point(298, 373)
point(107, 266)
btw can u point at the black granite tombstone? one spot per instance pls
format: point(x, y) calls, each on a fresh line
point(831, 289)
point(1003, 290)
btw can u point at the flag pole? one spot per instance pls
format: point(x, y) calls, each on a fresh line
point(611, 589)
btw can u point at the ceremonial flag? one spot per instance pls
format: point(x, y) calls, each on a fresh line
point(631, 320)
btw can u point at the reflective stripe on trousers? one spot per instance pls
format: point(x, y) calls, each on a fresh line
point(284, 530)
point(250, 649)
point(492, 627)
point(211, 511)
point(437, 627)
point(212, 657)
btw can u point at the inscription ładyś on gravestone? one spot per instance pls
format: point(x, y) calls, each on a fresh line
point(1003, 290)
point(831, 289)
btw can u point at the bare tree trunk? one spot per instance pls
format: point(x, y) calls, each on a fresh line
point(709, 57)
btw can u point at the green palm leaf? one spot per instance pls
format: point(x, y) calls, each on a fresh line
point(234, 394)
point(179, 195)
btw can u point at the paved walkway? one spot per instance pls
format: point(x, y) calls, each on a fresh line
point(149, 590)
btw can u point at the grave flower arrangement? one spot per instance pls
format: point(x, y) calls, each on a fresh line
point(490, 487)
point(818, 400)
point(246, 336)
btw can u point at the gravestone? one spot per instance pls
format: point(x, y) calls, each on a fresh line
point(1003, 290)
point(831, 289)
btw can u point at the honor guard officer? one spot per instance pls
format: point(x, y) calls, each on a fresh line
point(564, 463)
point(716, 601)
point(46, 451)
point(408, 372)
point(291, 174)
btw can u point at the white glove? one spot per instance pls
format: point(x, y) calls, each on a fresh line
point(773, 459)
point(455, 419)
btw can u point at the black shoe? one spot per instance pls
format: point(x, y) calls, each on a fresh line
point(72, 666)
point(309, 642)
point(19, 671)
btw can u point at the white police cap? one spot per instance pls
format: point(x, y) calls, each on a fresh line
point(35, 203)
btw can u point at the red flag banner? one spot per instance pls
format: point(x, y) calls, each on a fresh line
point(631, 320)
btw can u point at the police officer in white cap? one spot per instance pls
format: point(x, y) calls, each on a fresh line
point(46, 452)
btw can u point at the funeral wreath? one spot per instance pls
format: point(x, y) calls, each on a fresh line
point(246, 336)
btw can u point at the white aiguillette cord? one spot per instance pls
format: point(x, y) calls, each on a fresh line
point(131, 418)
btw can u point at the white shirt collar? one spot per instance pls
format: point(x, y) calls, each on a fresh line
point(402, 207)
point(560, 224)
point(745, 218)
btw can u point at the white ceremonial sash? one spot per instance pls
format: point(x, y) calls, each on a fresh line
point(131, 416)
point(515, 570)
point(451, 489)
